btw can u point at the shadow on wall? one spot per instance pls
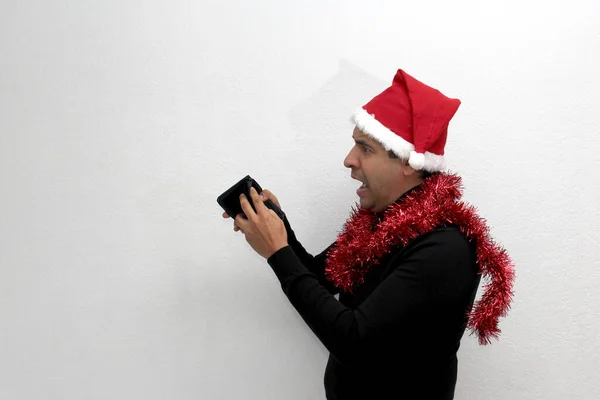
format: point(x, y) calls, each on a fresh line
point(321, 115)
point(322, 141)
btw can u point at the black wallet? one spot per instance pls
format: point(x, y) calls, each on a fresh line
point(229, 200)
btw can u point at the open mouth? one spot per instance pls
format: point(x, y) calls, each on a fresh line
point(363, 188)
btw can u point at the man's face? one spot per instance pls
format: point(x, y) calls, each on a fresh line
point(384, 179)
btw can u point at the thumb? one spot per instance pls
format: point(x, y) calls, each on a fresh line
point(267, 195)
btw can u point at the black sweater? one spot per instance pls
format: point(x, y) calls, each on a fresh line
point(397, 335)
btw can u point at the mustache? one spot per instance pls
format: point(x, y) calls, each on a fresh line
point(358, 178)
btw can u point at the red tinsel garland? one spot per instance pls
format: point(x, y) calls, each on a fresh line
point(366, 238)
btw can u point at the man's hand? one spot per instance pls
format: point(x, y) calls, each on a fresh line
point(264, 196)
point(263, 229)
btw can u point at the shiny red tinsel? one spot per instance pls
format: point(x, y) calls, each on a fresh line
point(367, 237)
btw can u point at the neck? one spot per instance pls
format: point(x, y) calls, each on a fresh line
point(396, 196)
point(410, 185)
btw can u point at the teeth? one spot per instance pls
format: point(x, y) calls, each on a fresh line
point(364, 185)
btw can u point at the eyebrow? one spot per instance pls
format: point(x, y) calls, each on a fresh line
point(363, 142)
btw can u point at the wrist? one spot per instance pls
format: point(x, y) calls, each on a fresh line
point(276, 248)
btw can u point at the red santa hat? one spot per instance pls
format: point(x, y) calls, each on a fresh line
point(410, 119)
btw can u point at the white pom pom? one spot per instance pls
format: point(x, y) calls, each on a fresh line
point(416, 160)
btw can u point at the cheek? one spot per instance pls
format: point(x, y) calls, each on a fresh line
point(382, 178)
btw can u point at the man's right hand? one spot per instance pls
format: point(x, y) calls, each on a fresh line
point(265, 195)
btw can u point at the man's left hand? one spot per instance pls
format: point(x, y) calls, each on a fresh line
point(263, 229)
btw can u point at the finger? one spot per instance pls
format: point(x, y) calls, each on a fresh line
point(270, 196)
point(225, 215)
point(260, 206)
point(236, 228)
point(246, 207)
point(241, 222)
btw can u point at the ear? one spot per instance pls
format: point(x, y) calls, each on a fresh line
point(407, 170)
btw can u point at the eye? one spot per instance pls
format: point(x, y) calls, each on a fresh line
point(366, 149)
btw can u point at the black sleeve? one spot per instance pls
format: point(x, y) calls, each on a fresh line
point(314, 264)
point(426, 270)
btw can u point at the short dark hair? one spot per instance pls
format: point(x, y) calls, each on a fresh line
point(424, 174)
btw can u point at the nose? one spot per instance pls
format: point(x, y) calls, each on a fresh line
point(351, 161)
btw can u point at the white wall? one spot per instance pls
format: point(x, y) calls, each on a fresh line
point(121, 122)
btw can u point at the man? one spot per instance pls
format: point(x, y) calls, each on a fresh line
point(407, 265)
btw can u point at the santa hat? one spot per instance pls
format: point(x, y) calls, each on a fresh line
point(410, 119)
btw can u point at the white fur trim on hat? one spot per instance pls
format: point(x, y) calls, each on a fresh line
point(434, 162)
point(375, 129)
point(390, 141)
point(416, 160)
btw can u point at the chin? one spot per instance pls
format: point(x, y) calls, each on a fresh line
point(366, 204)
